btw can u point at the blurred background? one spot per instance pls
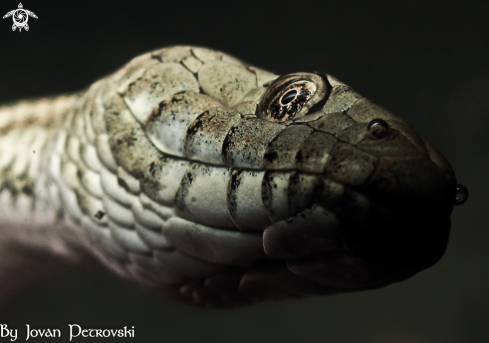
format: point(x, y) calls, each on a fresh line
point(426, 61)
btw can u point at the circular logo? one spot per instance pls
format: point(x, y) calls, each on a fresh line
point(20, 17)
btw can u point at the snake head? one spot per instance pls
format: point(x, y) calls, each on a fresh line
point(368, 192)
point(223, 181)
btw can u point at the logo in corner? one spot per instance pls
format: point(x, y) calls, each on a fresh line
point(20, 17)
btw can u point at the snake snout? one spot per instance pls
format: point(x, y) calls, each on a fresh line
point(380, 212)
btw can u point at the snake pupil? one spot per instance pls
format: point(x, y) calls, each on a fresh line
point(288, 97)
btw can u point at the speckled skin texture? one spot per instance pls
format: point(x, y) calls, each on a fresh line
point(170, 173)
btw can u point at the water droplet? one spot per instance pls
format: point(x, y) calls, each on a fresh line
point(378, 128)
point(461, 195)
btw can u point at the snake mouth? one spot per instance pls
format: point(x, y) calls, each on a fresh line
point(385, 230)
point(386, 259)
point(353, 255)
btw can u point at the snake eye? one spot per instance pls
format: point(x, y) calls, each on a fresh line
point(378, 128)
point(292, 96)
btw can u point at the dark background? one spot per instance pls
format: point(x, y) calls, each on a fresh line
point(425, 61)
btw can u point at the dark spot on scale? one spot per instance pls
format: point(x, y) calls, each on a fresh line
point(231, 196)
point(176, 100)
point(152, 169)
point(271, 156)
point(235, 180)
point(156, 57)
point(8, 185)
point(99, 215)
point(28, 190)
point(190, 178)
point(228, 143)
point(298, 157)
point(123, 184)
point(60, 215)
point(157, 111)
point(197, 125)
point(21, 177)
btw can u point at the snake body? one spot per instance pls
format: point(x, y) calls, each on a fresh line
point(216, 183)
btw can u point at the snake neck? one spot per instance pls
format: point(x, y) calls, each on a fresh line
point(35, 237)
point(29, 132)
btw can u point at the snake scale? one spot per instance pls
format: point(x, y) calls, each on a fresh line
point(216, 183)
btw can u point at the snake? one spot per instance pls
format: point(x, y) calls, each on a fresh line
point(218, 184)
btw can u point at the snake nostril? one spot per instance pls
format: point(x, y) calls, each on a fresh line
point(461, 195)
point(378, 127)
